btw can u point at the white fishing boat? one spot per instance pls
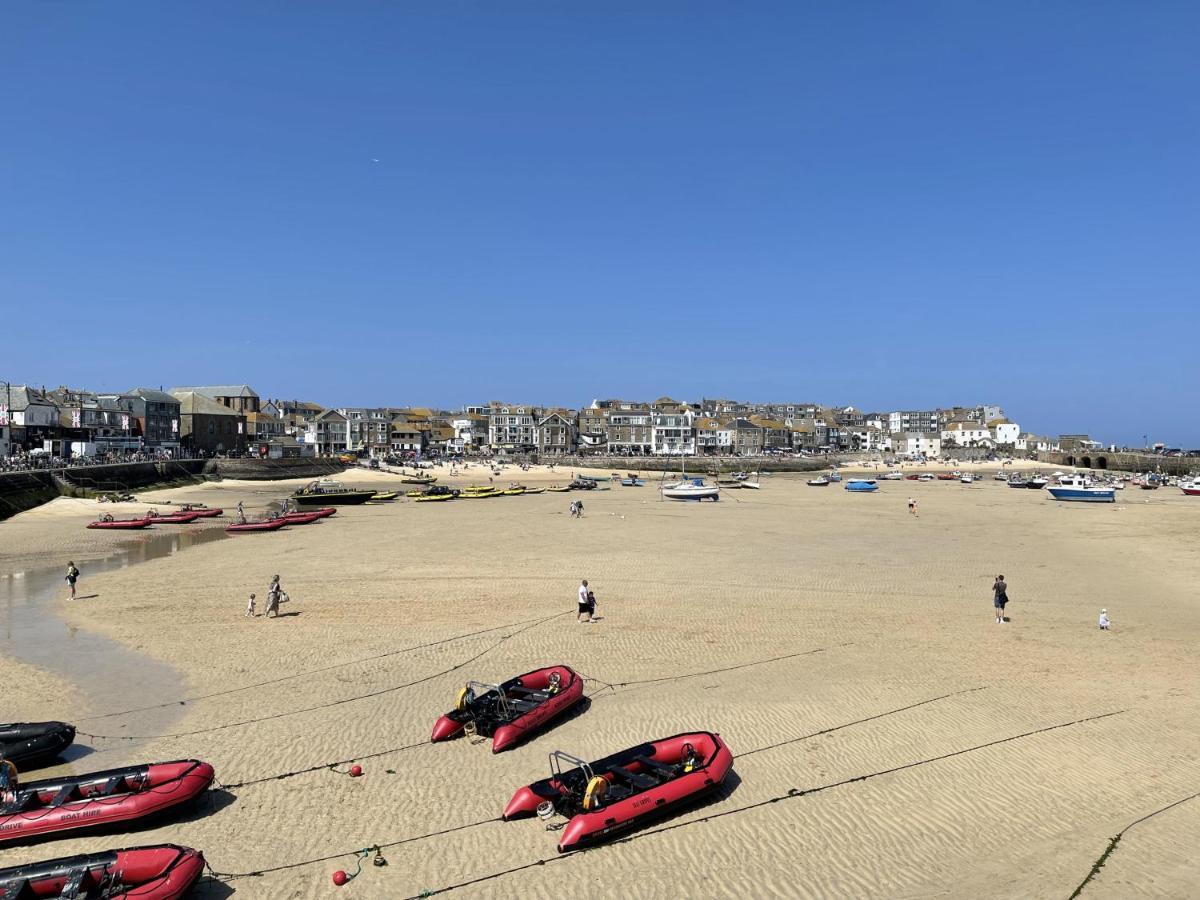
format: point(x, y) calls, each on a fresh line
point(1081, 488)
point(691, 489)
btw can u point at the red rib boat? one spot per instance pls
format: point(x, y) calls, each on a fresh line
point(510, 712)
point(267, 525)
point(624, 790)
point(324, 512)
point(101, 798)
point(107, 521)
point(203, 512)
point(301, 518)
point(160, 872)
point(176, 518)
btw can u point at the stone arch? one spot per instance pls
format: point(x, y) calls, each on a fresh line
point(1101, 462)
point(1070, 460)
point(1086, 462)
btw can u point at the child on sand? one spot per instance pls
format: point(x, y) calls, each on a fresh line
point(72, 577)
point(250, 607)
point(1104, 622)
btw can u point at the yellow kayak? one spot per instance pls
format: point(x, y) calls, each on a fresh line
point(513, 492)
point(385, 495)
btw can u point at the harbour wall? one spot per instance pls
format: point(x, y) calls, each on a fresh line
point(1122, 461)
point(20, 491)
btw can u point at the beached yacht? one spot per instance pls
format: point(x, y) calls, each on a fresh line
point(691, 489)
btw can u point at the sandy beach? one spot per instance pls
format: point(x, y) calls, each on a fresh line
point(846, 650)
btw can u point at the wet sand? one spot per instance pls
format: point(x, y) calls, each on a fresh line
point(826, 635)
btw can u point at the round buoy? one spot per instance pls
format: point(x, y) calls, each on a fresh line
point(340, 877)
point(355, 771)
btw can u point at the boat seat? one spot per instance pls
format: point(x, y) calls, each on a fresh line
point(641, 782)
point(527, 692)
point(522, 706)
point(117, 782)
point(68, 793)
point(654, 765)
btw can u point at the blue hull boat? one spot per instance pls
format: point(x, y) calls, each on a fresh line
point(1084, 495)
point(861, 486)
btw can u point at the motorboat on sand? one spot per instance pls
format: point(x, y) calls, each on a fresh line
point(625, 790)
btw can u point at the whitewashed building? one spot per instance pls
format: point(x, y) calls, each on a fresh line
point(966, 434)
point(916, 444)
point(672, 432)
point(1004, 432)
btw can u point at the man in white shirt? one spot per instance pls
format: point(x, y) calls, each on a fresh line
point(585, 606)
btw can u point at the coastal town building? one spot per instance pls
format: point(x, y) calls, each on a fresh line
point(208, 426)
point(31, 416)
point(709, 436)
point(512, 428)
point(1004, 432)
point(966, 434)
point(157, 413)
point(470, 433)
point(368, 429)
point(407, 437)
point(915, 420)
point(239, 397)
point(672, 432)
point(916, 444)
point(328, 433)
point(556, 433)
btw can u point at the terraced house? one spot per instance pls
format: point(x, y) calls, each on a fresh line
point(673, 431)
point(512, 428)
point(556, 433)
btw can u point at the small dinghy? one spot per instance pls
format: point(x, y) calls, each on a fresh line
point(299, 518)
point(160, 872)
point(820, 481)
point(33, 743)
point(268, 525)
point(107, 521)
point(176, 518)
point(625, 790)
point(323, 513)
point(510, 712)
point(861, 486)
point(203, 512)
point(101, 798)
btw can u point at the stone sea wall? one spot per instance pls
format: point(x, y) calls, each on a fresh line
point(1120, 461)
point(20, 491)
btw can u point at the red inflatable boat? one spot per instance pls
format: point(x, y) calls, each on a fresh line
point(161, 872)
point(203, 512)
point(301, 518)
point(109, 522)
point(510, 712)
point(624, 790)
point(324, 512)
point(101, 798)
point(268, 525)
point(175, 518)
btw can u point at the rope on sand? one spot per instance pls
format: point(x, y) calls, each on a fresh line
point(792, 794)
point(247, 687)
point(332, 703)
point(1112, 844)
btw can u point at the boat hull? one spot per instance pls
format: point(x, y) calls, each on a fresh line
point(586, 828)
point(333, 498)
point(33, 743)
point(161, 872)
point(1083, 495)
point(120, 524)
point(104, 798)
point(252, 527)
point(518, 729)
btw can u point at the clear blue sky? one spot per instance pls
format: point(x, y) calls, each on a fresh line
point(890, 205)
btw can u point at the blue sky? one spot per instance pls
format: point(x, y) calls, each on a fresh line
point(879, 204)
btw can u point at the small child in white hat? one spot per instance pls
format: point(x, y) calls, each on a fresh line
point(1104, 623)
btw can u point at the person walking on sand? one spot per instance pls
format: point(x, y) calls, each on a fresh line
point(250, 608)
point(72, 577)
point(1000, 598)
point(912, 506)
point(585, 607)
point(1104, 621)
point(241, 513)
point(579, 509)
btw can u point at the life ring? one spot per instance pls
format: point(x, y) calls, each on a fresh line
point(593, 795)
point(464, 698)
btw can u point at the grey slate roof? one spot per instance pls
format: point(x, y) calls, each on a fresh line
point(219, 390)
point(193, 403)
point(22, 396)
point(154, 396)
